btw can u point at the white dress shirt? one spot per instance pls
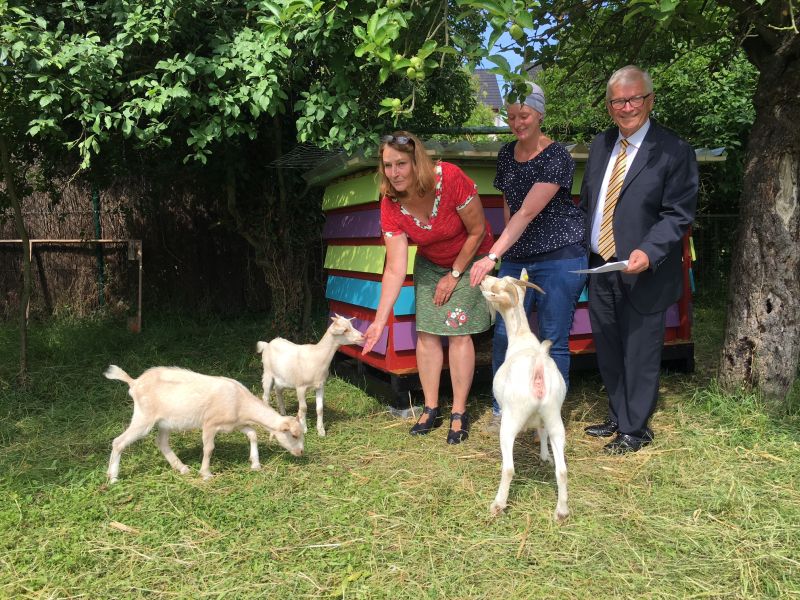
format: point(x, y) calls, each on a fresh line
point(634, 142)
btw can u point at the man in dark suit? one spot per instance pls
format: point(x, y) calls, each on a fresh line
point(639, 192)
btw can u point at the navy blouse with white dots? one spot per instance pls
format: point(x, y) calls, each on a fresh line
point(558, 230)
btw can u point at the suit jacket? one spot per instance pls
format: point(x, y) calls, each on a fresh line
point(655, 208)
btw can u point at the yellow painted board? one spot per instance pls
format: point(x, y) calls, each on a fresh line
point(351, 192)
point(363, 259)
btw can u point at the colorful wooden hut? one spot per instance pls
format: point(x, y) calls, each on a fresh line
point(355, 255)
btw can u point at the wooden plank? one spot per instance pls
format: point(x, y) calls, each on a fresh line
point(496, 221)
point(362, 259)
point(483, 178)
point(580, 322)
point(363, 292)
point(580, 167)
point(404, 335)
point(351, 192)
point(356, 224)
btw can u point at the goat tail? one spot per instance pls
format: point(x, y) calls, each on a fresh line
point(538, 385)
point(261, 346)
point(546, 345)
point(114, 372)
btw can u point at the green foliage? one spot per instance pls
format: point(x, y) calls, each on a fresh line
point(200, 74)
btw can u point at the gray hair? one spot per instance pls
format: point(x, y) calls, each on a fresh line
point(629, 74)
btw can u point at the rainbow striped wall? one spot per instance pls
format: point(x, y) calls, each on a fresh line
point(355, 258)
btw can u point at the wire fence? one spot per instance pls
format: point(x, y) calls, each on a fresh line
point(714, 237)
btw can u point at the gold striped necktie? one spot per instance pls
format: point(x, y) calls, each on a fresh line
point(605, 243)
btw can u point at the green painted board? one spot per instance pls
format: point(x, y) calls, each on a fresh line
point(580, 167)
point(364, 259)
point(483, 178)
point(412, 254)
point(351, 192)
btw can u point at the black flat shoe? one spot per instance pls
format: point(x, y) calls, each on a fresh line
point(624, 443)
point(434, 420)
point(456, 437)
point(605, 429)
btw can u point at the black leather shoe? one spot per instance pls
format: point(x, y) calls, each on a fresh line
point(434, 420)
point(625, 443)
point(604, 429)
point(456, 437)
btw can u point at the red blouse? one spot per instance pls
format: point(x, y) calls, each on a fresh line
point(442, 239)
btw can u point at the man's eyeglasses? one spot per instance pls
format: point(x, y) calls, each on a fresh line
point(634, 101)
point(397, 139)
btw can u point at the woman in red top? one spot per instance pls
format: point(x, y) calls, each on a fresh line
point(437, 207)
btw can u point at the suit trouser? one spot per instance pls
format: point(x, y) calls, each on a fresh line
point(628, 346)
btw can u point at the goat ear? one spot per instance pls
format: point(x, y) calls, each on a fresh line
point(295, 428)
point(285, 426)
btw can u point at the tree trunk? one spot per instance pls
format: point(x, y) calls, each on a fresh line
point(762, 336)
point(25, 295)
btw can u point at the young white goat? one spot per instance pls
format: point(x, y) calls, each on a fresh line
point(529, 388)
point(179, 399)
point(289, 365)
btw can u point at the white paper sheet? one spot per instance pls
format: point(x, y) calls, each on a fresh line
point(614, 266)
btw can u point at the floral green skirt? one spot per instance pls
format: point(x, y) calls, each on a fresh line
point(465, 313)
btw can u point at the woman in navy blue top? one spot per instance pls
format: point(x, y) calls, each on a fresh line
point(544, 230)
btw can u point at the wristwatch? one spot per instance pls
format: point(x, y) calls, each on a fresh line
point(493, 257)
point(455, 273)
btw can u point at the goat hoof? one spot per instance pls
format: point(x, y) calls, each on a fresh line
point(255, 467)
point(547, 460)
point(206, 476)
point(183, 470)
point(112, 480)
point(496, 509)
point(321, 432)
point(561, 517)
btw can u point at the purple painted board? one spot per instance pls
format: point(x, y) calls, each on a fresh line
point(580, 322)
point(405, 335)
point(496, 220)
point(358, 224)
point(362, 325)
point(673, 316)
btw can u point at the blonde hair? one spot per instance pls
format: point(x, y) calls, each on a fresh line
point(421, 163)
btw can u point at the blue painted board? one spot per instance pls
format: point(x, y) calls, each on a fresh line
point(366, 293)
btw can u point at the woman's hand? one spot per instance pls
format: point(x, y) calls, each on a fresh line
point(371, 336)
point(480, 269)
point(444, 289)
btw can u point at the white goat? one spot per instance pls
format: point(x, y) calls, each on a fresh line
point(289, 365)
point(529, 388)
point(178, 399)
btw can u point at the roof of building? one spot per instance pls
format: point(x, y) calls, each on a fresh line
point(488, 89)
point(462, 151)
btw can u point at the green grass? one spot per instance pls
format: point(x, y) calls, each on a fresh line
point(711, 509)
